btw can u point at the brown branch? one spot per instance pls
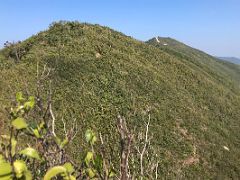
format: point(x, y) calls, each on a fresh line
point(126, 139)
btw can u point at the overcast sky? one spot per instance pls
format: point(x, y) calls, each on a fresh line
point(210, 25)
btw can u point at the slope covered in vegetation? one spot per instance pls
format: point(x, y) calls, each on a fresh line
point(192, 99)
point(230, 59)
point(197, 58)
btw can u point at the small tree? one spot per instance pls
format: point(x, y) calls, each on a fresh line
point(14, 50)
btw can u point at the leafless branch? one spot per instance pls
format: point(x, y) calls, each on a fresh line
point(156, 170)
point(146, 142)
point(51, 111)
point(64, 127)
point(126, 139)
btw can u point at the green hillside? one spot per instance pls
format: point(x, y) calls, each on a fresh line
point(233, 60)
point(194, 100)
point(197, 58)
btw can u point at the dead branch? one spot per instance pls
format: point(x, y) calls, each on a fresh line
point(126, 139)
point(146, 142)
point(51, 111)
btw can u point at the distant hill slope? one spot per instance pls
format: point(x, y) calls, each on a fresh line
point(230, 59)
point(194, 100)
point(196, 57)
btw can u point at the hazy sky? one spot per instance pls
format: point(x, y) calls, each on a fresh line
point(210, 25)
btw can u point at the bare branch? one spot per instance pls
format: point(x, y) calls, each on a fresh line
point(156, 171)
point(144, 146)
point(64, 127)
point(51, 111)
point(126, 139)
point(73, 130)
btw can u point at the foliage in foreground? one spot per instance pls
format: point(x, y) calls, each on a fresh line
point(36, 159)
point(44, 156)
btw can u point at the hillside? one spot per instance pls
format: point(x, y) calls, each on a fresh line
point(197, 58)
point(230, 59)
point(194, 100)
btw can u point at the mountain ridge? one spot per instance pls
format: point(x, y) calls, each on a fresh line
point(234, 60)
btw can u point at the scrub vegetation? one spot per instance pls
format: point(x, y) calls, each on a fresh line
point(186, 100)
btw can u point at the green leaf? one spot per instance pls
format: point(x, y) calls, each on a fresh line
point(98, 162)
point(90, 136)
point(5, 170)
point(19, 168)
point(88, 158)
point(54, 171)
point(28, 175)
point(14, 144)
point(69, 168)
point(64, 142)
point(30, 103)
point(19, 97)
point(19, 123)
point(94, 139)
point(72, 178)
point(112, 173)
point(91, 172)
point(30, 152)
point(57, 140)
point(41, 126)
point(36, 133)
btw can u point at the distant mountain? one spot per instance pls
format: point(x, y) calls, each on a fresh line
point(230, 59)
point(193, 100)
